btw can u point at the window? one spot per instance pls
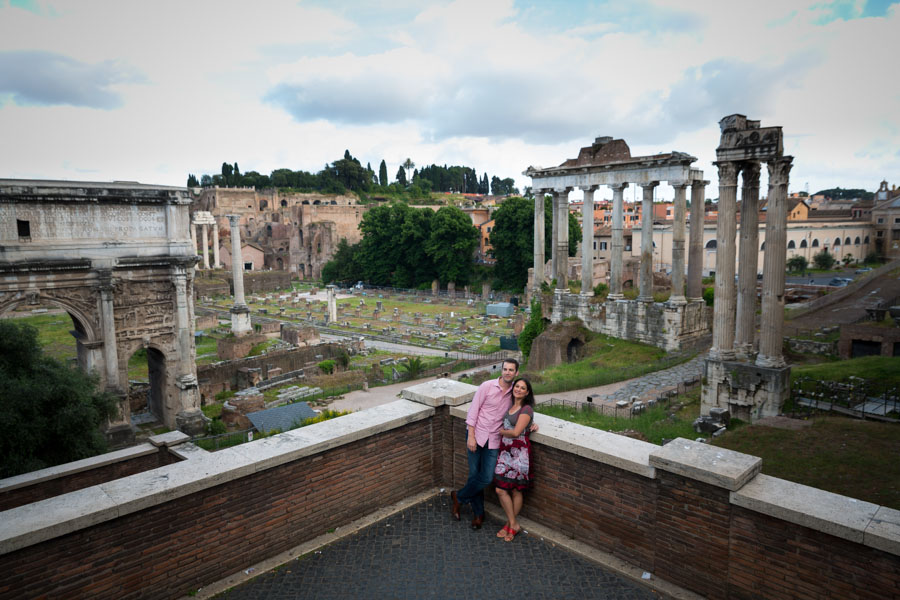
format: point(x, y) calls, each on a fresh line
point(283, 203)
point(879, 234)
point(856, 241)
point(792, 245)
point(24, 228)
point(866, 241)
point(847, 241)
point(602, 245)
point(803, 243)
point(762, 246)
point(815, 243)
point(595, 245)
point(248, 266)
point(489, 229)
point(896, 220)
point(837, 241)
point(880, 220)
point(711, 245)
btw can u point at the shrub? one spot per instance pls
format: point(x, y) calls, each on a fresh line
point(327, 366)
point(601, 290)
point(824, 260)
point(533, 328)
point(709, 295)
point(216, 427)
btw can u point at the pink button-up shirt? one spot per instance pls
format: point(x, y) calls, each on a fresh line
point(491, 402)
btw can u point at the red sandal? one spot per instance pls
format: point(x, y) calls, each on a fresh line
point(503, 532)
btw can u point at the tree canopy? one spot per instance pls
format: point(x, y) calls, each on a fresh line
point(50, 412)
point(512, 239)
point(848, 194)
point(407, 247)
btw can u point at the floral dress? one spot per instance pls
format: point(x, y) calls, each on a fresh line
point(513, 470)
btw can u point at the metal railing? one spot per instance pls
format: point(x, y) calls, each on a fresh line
point(856, 397)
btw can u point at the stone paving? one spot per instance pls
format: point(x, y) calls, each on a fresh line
point(659, 381)
point(421, 552)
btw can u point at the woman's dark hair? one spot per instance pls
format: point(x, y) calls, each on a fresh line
point(528, 400)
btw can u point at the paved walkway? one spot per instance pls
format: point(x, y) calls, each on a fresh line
point(421, 552)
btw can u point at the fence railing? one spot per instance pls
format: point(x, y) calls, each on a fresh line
point(857, 397)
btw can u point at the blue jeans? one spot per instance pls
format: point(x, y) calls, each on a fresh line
point(481, 474)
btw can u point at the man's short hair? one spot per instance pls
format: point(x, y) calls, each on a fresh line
point(513, 362)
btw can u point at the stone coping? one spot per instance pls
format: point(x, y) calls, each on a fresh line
point(169, 439)
point(717, 466)
point(840, 516)
point(608, 448)
point(33, 523)
point(86, 464)
point(440, 392)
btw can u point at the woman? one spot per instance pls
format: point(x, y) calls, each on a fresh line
point(513, 472)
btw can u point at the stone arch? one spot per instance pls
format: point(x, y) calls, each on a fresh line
point(803, 243)
point(574, 350)
point(284, 204)
point(847, 241)
point(791, 245)
point(856, 241)
point(815, 243)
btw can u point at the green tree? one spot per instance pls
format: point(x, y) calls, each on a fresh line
point(192, 181)
point(451, 244)
point(512, 239)
point(344, 265)
point(533, 328)
point(797, 264)
point(408, 164)
point(824, 260)
point(847, 260)
point(50, 413)
point(413, 367)
point(382, 174)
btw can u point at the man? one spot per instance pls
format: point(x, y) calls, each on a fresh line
point(483, 421)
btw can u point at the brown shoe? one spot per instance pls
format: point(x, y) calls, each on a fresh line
point(454, 508)
point(477, 522)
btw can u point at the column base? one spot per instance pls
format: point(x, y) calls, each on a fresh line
point(716, 354)
point(678, 300)
point(645, 298)
point(770, 362)
point(749, 392)
point(240, 320)
point(191, 422)
point(615, 297)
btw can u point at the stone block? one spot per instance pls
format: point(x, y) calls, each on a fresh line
point(715, 466)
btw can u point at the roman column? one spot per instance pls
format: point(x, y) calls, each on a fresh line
point(695, 246)
point(587, 241)
point(646, 278)
point(745, 327)
point(194, 237)
point(539, 259)
point(562, 243)
point(108, 330)
point(204, 236)
point(554, 230)
point(216, 262)
point(772, 325)
point(616, 258)
point(723, 308)
point(677, 296)
point(240, 312)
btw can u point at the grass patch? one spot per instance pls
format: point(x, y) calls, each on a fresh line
point(212, 411)
point(844, 456)
point(655, 423)
point(607, 360)
point(884, 369)
point(53, 334)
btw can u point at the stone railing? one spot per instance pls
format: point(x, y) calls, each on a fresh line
point(698, 517)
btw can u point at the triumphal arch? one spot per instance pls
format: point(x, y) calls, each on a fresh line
point(118, 258)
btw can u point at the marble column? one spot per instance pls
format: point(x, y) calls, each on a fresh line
point(554, 230)
point(562, 243)
point(240, 312)
point(646, 278)
point(677, 295)
point(332, 303)
point(216, 262)
point(617, 256)
point(772, 325)
point(695, 245)
point(204, 236)
point(539, 227)
point(194, 237)
point(587, 241)
point(723, 308)
point(108, 331)
point(745, 321)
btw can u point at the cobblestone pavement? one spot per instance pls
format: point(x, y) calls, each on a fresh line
point(422, 553)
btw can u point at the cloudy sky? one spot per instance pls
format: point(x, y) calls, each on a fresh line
point(152, 91)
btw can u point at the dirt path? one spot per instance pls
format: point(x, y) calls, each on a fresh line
point(870, 294)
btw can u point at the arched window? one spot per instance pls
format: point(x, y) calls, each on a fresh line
point(762, 246)
point(856, 241)
point(711, 245)
point(792, 245)
point(284, 203)
point(866, 241)
point(837, 241)
point(847, 241)
point(815, 243)
point(803, 243)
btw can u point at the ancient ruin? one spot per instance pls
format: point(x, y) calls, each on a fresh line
point(672, 325)
point(751, 386)
point(118, 258)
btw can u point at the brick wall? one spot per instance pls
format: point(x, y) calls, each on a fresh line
point(83, 479)
point(171, 548)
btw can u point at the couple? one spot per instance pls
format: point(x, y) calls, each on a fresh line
point(498, 449)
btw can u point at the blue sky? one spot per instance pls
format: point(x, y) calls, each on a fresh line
point(104, 90)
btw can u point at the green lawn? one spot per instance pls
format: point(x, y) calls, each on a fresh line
point(846, 456)
point(884, 369)
point(53, 333)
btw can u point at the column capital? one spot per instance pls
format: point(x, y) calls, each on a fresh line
point(649, 185)
point(562, 191)
point(589, 188)
point(700, 183)
point(233, 220)
point(679, 184)
point(618, 187)
point(750, 171)
point(779, 170)
point(728, 172)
